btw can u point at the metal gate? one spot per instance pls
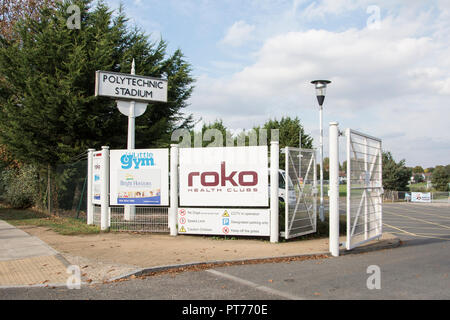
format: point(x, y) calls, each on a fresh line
point(364, 188)
point(300, 195)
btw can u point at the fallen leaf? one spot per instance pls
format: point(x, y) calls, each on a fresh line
point(270, 280)
point(317, 293)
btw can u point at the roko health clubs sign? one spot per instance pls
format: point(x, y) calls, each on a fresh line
point(230, 177)
point(139, 177)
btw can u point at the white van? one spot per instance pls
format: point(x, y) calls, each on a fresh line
point(282, 188)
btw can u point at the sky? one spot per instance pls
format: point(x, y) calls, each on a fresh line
point(253, 60)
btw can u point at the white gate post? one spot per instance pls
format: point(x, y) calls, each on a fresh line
point(274, 166)
point(90, 205)
point(334, 189)
point(349, 188)
point(104, 222)
point(286, 192)
point(173, 210)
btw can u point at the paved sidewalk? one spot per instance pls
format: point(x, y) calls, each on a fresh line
point(26, 260)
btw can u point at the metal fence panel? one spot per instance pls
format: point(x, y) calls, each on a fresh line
point(300, 184)
point(440, 197)
point(147, 219)
point(97, 215)
point(405, 196)
point(364, 188)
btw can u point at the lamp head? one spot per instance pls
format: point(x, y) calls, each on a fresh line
point(321, 88)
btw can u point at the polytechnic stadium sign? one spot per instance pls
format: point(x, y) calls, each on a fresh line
point(122, 86)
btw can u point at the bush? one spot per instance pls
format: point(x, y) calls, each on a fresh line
point(20, 186)
point(418, 188)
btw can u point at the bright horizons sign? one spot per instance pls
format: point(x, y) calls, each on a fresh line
point(123, 86)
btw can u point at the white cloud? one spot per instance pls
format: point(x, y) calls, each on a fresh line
point(392, 82)
point(239, 33)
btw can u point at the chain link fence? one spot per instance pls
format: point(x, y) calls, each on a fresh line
point(68, 189)
point(60, 190)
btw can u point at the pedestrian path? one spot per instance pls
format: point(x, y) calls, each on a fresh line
point(26, 260)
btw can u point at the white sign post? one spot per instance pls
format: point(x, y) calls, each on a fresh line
point(90, 204)
point(105, 219)
point(132, 94)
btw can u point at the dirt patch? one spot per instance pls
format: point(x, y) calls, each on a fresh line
point(150, 250)
point(108, 255)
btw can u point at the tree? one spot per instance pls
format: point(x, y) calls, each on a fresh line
point(214, 140)
point(289, 135)
point(418, 178)
point(12, 11)
point(49, 113)
point(417, 169)
point(431, 169)
point(440, 178)
point(326, 168)
point(395, 175)
point(289, 132)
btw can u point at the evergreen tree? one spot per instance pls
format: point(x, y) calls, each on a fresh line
point(48, 110)
point(289, 132)
point(395, 175)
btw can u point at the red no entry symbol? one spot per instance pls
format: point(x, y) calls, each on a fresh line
point(182, 212)
point(182, 220)
point(226, 230)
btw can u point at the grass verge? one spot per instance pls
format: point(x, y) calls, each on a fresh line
point(61, 225)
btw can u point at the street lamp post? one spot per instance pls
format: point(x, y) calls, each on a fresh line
point(321, 87)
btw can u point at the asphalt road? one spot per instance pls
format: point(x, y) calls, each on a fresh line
point(419, 269)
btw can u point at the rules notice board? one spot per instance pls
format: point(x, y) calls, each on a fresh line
point(216, 221)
